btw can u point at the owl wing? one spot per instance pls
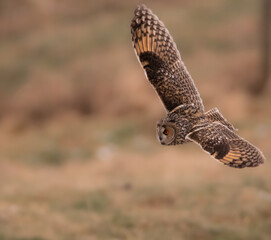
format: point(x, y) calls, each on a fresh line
point(226, 146)
point(161, 60)
point(213, 115)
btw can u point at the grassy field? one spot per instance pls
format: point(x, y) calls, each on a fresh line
point(78, 154)
point(76, 180)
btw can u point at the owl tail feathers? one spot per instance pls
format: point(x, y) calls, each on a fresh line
point(213, 115)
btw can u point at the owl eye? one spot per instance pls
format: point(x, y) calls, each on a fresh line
point(166, 132)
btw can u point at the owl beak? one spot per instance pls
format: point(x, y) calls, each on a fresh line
point(162, 142)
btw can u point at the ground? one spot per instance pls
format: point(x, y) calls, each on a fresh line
point(115, 181)
point(78, 154)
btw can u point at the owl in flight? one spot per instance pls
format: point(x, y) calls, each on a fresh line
point(186, 119)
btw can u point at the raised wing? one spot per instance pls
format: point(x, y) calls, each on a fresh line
point(226, 146)
point(161, 61)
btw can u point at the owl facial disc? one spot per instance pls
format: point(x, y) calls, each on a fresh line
point(165, 134)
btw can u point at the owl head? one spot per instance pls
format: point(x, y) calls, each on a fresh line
point(172, 130)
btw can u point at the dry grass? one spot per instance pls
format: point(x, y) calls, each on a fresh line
point(89, 179)
point(74, 57)
point(79, 159)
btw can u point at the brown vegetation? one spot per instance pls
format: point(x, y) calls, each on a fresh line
point(78, 154)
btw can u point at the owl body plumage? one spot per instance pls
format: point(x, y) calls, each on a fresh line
point(186, 119)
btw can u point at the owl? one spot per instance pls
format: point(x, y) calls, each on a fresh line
point(186, 119)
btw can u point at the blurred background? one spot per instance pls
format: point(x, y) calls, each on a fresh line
point(78, 154)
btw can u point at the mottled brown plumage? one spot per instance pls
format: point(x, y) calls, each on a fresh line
point(161, 60)
point(186, 120)
point(226, 146)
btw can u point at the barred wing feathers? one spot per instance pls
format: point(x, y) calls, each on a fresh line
point(226, 146)
point(161, 60)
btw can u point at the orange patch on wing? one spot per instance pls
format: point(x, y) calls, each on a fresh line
point(144, 63)
point(223, 161)
point(234, 155)
point(140, 46)
point(149, 41)
point(145, 46)
point(137, 49)
point(228, 159)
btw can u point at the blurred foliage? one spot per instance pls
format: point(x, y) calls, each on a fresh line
point(59, 56)
point(79, 158)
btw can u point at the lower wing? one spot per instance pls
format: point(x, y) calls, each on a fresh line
point(226, 146)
